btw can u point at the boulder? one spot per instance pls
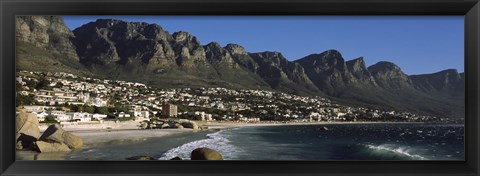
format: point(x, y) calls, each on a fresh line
point(43, 147)
point(19, 145)
point(72, 141)
point(54, 133)
point(143, 125)
point(141, 158)
point(26, 128)
point(165, 125)
point(189, 124)
point(178, 126)
point(206, 154)
point(176, 158)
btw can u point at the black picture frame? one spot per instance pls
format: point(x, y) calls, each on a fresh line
point(470, 9)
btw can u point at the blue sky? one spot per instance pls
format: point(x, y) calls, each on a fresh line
point(418, 44)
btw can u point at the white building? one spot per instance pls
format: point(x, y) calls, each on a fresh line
point(123, 115)
point(99, 116)
point(55, 96)
point(34, 108)
point(80, 116)
point(141, 114)
point(41, 116)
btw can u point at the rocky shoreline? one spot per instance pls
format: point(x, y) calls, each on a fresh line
point(53, 139)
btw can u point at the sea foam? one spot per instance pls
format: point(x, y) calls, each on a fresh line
point(217, 141)
point(398, 150)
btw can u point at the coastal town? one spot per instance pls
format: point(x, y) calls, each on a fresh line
point(66, 98)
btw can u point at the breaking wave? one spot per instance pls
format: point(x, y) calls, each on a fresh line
point(390, 151)
point(217, 141)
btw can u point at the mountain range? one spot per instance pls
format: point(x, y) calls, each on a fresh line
point(142, 52)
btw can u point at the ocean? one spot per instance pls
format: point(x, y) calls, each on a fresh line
point(374, 141)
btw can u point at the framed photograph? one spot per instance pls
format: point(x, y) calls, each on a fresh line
point(239, 87)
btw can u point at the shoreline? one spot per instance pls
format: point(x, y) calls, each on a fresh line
point(99, 136)
point(226, 125)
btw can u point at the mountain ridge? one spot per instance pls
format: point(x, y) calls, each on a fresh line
point(145, 52)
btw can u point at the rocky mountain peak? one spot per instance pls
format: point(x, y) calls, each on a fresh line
point(324, 60)
point(332, 53)
point(235, 49)
point(272, 57)
point(356, 64)
point(450, 72)
point(449, 81)
point(107, 23)
point(389, 75)
point(213, 45)
point(182, 36)
point(214, 52)
point(383, 66)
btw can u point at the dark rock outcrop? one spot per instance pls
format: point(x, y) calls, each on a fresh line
point(328, 71)
point(360, 73)
point(176, 158)
point(282, 74)
point(108, 42)
point(206, 154)
point(138, 158)
point(188, 124)
point(389, 76)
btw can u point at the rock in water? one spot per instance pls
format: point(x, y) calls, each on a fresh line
point(189, 124)
point(206, 154)
point(55, 133)
point(143, 125)
point(43, 147)
point(178, 126)
point(26, 128)
point(141, 158)
point(176, 158)
point(165, 125)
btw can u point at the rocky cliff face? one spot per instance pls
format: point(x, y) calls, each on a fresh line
point(228, 69)
point(241, 57)
point(447, 81)
point(191, 54)
point(46, 32)
point(332, 75)
point(282, 74)
point(44, 44)
point(111, 42)
point(360, 73)
point(389, 76)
